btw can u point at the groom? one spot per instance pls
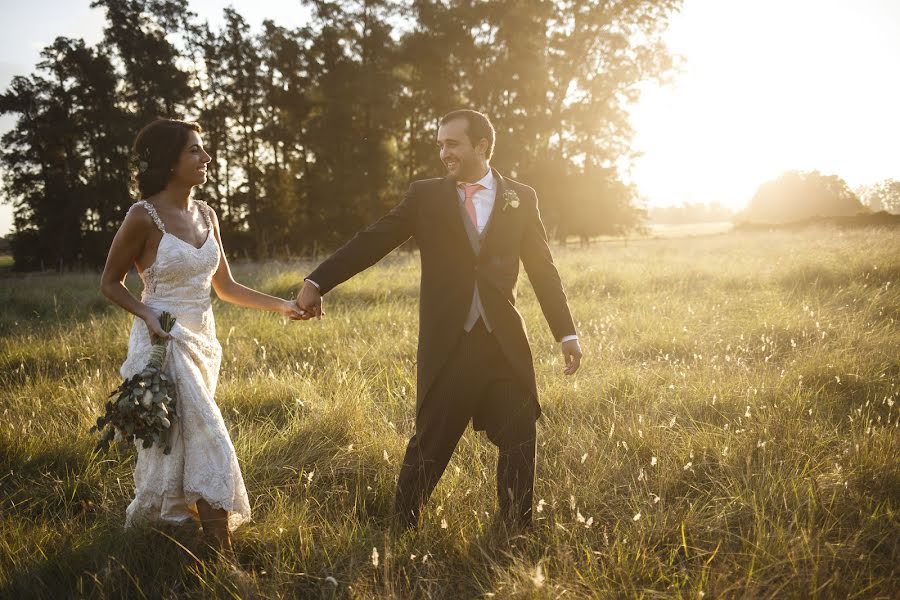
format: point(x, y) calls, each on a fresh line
point(472, 229)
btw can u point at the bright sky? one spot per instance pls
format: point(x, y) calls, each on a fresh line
point(767, 86)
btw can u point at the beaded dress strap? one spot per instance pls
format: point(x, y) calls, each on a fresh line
point(153, 214)
point(205, 210)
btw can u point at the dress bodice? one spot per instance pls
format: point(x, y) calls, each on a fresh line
point(181, 273)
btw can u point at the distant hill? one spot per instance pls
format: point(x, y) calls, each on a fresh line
point(799, 195)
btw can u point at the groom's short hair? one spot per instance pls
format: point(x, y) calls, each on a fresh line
point(479, 126)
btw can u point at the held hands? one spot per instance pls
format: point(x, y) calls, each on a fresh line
point(572, 353)
point(309, 301)
point(289, 309)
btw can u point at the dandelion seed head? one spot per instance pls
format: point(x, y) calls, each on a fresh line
point(538, 578)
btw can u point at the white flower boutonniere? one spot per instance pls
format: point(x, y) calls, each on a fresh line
point(510, 199)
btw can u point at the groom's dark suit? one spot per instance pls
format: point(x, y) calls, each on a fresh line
point(485, 374)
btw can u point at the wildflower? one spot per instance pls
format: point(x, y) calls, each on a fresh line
point(538, 578)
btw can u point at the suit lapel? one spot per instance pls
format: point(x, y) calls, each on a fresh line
point(456, 213)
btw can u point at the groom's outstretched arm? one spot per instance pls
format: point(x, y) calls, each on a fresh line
point(368, 246)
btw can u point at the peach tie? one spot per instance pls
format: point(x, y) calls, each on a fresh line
point(470, 189)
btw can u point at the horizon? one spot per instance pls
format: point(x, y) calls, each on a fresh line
point(723, 127)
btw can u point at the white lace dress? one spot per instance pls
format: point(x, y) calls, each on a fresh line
point(202, 462)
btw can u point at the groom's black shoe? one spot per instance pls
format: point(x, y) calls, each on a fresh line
point(404, 521)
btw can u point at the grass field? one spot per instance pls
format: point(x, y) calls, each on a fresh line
point(733, 433)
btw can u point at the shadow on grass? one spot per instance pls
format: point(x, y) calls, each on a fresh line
point(116, 563)
point(50, 304)
point(57, 482)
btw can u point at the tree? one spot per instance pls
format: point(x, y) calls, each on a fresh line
point(884, 195)
point(137, 33)
point(315, 131)
point(556, 76)
point(797, 195)
point(597, 203)
point(63, 157)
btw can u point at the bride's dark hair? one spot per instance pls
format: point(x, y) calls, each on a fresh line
point(155, 152)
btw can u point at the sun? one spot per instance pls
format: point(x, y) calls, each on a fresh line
point(760, 95)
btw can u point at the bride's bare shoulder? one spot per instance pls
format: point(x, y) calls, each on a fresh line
point(140, 218)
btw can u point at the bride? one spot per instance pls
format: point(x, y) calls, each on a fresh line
point(176, 245)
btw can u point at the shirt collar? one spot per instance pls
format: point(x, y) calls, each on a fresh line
point(488, 180)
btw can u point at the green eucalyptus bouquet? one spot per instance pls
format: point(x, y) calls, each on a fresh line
point(143, 407)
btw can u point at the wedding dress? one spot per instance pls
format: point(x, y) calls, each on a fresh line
point(202, 462)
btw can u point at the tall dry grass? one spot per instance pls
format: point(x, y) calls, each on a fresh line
point(733, 432)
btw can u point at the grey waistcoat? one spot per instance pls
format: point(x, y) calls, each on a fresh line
point(476, 310)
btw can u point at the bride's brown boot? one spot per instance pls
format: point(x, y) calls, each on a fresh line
point(215, 529)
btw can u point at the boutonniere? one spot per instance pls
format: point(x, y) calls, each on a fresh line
point(510, 199)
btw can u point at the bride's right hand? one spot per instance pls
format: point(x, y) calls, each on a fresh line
point(151, 319)
point(289, 309)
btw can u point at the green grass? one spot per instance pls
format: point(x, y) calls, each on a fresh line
point(733, 432)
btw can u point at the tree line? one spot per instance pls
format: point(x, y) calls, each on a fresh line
point(316, 130)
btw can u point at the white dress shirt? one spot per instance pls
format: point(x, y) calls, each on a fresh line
point(483, 199)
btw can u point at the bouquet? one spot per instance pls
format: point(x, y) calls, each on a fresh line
point(144, 405)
